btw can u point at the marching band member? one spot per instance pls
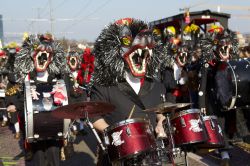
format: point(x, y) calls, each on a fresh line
point(127, 61)
point(13, 89)
point(217, 47)
point(3, 84)
point(42, 60)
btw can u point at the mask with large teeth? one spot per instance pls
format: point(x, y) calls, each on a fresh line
point(224, 51)
point(73, 60)
point(137, 50)
point(42, 57)
point(127, 46)
point(181, 58)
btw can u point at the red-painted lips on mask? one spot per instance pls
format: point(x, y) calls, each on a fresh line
point(42, 57)
point(138, 54)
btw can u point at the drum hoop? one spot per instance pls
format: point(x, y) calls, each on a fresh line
point(124, 122)
point(29, 123)
point(209, 117)
point(29, 118)
point(184, 112)
point(233, 101)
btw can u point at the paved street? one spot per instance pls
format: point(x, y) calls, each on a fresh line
point(11, 153)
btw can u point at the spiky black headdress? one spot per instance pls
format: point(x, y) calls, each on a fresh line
point(213, 42)
point(110, 65)
point(25, 63)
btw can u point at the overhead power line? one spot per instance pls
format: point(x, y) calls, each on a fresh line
point(90, 14)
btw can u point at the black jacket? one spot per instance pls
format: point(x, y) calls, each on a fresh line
point(123, 98)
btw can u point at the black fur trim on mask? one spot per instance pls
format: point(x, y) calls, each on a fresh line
point(24, 61)
point(109, 63)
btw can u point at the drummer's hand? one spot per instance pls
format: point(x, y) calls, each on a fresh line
point(160, 132)
point(11, 108)
point(100, 125)
point(2, 85)
point(203, 111)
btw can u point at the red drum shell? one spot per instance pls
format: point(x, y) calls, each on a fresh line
point(188, 127)
point(129, 138)
point(215, 136)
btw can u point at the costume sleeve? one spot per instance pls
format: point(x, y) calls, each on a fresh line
point(169, 84)
point(168, 79)
point(98, 94)
point(16, 99)
point(74, 94)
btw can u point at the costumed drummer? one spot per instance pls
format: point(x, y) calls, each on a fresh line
point(43, 61)
point(3, 85)
point(127, 63)
point(82, 80)
point(13, 89)
point(77, 92)
point(218, 47)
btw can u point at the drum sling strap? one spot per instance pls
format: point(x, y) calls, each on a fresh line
point(127, 90)
point(203, 86)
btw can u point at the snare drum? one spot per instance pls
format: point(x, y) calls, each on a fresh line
point(39, 103)
point(214, 131)
point(129, 138)
point(188, 127)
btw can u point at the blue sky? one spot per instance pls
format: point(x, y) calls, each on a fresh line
point(88, 17)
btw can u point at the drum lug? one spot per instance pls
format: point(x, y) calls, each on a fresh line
point(106, 139)
point(212, 124)
point(128, 131)
point(183, 124)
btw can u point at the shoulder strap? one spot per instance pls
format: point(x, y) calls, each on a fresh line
point(128, 91)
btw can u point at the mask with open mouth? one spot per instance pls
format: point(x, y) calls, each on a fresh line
point(221, 45)
point(41, 53)
point(127, 45)
point(181, 57)
point(137, 50)
point(224, 49)
point(42, 57)
point(73, 60)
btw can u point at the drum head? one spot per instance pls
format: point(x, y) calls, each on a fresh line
point(125, 122)
point(185, 112)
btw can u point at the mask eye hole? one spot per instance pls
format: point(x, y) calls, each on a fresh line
point(126, 41)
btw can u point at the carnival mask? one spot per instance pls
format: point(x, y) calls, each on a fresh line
point(224, 49)
point(42, 57)
point(127, 45)
point(73, 59)
point(181, 57)
point(136, 49)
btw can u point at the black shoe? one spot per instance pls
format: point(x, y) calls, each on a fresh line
point(28, 155)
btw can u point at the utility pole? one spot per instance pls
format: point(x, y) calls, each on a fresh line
point(36, 20)
point(38, 17)
point(51, 18)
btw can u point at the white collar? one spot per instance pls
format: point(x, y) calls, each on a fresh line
point(42, 76)
point(134, 82)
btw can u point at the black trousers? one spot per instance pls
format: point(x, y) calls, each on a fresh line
point(2, 105)
point(46, 153)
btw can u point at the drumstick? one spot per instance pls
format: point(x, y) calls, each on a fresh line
point(131, 112)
